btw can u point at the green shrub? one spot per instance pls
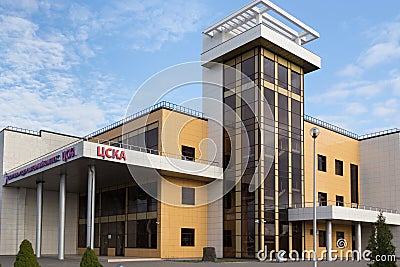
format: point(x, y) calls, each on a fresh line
point(26, 256)
point(89, 259)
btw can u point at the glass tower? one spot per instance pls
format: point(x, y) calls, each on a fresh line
point(258, 218)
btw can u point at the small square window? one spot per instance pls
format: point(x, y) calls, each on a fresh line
point(338, 167)
point(322, 163)
point(188, 153)
point(322, 238)
point(339, 235)
point(187, 237)
point(340, 201)
point(188, 196)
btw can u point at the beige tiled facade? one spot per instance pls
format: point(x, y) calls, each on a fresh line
point(334, 146)
point(175, 130)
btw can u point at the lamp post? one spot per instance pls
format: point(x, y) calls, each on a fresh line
point(314, 132)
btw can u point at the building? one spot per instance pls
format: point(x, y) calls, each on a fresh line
point(142, 186)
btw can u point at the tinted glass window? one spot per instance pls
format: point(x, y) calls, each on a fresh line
point(354, 183)
point(282, 76)
point(322, 163)
point(187, 237)
point(229, 77)
point(339, 201)
point(188, 196)
point(296, 83)
point(269, 70)
point(248, 69)
point(322, 238)
point(188, 153)
point(322, 199)
point(338, 167)
point(113, 202)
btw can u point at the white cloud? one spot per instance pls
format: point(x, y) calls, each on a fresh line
point(39, 85)
point(379, 53)
point(150, 24)
point(384, 47)
point(355, 108)
point(370, 90)
point(337, 93)
point(386, 109)
point(26, 6)
point(350, 70)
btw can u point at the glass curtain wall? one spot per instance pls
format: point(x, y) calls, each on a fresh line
point(125, 217)
point(262, 215)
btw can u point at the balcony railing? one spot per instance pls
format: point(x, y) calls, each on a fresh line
point(343, 204)
point(151, 151)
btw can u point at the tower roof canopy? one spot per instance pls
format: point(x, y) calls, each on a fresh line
point(266, 13)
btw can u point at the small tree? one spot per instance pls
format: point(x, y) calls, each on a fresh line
point(26, 256)
point(89, 259)
point(380, 244)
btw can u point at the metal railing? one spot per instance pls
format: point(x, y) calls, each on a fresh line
point(348, 133)
point(380, 133)
point(162, 104)
point(151, 151)
point(330, 127)
point(22, 130)
point(343, 204)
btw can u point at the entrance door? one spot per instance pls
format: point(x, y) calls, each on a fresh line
point(120, 246)
point(104, 240)
point(104, 245)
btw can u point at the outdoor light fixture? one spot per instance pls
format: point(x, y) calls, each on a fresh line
point(314, 132)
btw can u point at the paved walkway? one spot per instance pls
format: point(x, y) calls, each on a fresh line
point(73, 261)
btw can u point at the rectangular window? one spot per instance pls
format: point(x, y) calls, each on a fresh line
point(82, 207)
point(248, 70)
point(151, 139)
point(338, 167)
point(113, 202)
point(339, 235)
point(354, 183)
point(296, 83)
point(322, 163)
point(188, 196)
point(340, 201)
point(187, 237)
point(322, 199)
point(269, 70)
point(282, 76)
point(142, 234)
point(188, 153)
point(230, 77)
point(322, 238)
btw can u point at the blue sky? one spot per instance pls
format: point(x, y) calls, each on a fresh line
point(72, 66)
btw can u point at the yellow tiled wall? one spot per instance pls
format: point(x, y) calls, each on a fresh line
point(334, 146)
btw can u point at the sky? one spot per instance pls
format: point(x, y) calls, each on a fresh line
point(73, 66)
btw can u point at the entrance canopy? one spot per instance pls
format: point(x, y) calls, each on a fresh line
point(111, 167)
